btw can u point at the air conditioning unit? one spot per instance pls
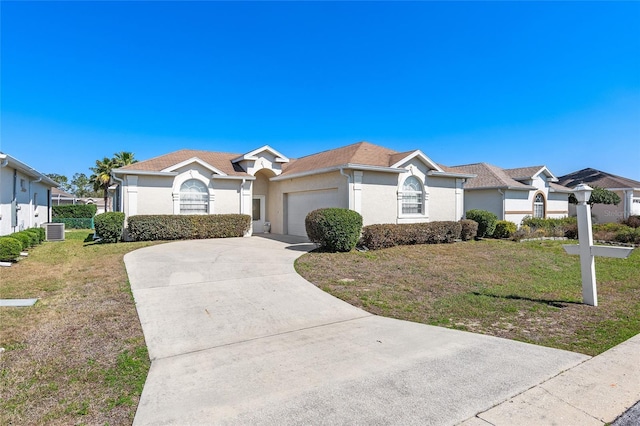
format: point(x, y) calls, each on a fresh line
point(54, 231)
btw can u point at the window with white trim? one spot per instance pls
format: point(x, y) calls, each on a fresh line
point(538, 206)
point(412, 196)
point(194, 197)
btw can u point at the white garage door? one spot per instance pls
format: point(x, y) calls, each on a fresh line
point(299, 204)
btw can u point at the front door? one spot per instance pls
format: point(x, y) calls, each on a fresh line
point(258, 212)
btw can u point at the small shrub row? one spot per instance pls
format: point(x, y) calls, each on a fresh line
point(486, 221)
point(184, 227)
point(334, 229)
point(537, 228)
point(74, 211)
point(75, 222)
point(377, 237)
point(11, 245)
point(616, 232)
point(109, 226)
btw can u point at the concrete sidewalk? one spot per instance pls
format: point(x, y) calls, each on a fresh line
point(237, 337)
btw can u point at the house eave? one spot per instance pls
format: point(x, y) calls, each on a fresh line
point(510, 188)
point(143, 172)
point(28, 170)
point(228, 177)
point(450, 174)
point(361, 167)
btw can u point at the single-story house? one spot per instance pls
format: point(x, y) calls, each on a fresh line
point(383, 185)
point(627, 189)
point(513, 194)
point(25, 196)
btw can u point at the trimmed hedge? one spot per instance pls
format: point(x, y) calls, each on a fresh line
point(377, 237)
point(109, 226)
point(41, 232)
point(35, 233)
point(75, 222)
point(504, 229)
point(10, 249)
point(74, 211)
point(187, 227)
point(334, 229)
point(486, 221)
point(469, 229)
point(26, 239)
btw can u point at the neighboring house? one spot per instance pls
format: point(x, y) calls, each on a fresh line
point(513, 194)
point(25, 196)
point(61, 198)
point(627, 189)
point(383, 185)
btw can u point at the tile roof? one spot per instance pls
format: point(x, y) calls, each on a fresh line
point(363, 153)
point(488, 176)
point(593, 177)
point(220, 160)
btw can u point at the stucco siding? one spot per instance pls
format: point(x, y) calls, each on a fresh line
point(442, 199)
point(227, 196)
point(32, 199)
point(379, 198)
point(483, 199)
point(154, 195)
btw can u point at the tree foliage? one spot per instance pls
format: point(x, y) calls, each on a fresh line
point(81, 186)
point(61, 180)
point(599, 196)
point(101, 177)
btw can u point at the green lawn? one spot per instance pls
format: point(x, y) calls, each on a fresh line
point(527, 291)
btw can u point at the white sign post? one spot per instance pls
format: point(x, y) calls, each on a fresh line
point(587, 250)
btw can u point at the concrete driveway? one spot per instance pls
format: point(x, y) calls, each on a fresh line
point(237, 337)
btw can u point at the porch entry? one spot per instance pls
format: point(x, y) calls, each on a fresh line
point(258, 213)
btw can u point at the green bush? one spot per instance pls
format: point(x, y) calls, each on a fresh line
point(377, 237)
point(29, 238)
point(10, 249)
point(334, 229)
point(75, 222)
point(187, 227)
point(24, 239)
point(109, 226)
point(74, 211)
point(504, 229)
point(35, 233)
point(41, 232)
point(469, 229)
point(486, 222)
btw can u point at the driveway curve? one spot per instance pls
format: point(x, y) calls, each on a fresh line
point(236, 336)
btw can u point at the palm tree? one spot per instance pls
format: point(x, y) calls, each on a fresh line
point(101, 177)
point(123, 158)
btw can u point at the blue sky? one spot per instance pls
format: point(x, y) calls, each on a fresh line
point(510, 83)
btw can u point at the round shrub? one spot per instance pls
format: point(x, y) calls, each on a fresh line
point(10, 249)
point(334, 229)
point(486, 222)
point(109, 226)
point(25, 239)
point(41, 233)
point(504, 229)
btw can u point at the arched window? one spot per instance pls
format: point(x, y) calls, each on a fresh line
point(538, 206)
point(194, 197)
point(412, 196)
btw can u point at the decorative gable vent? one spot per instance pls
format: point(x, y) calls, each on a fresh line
point(54, 231)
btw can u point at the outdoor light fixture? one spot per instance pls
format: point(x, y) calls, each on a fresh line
point(582, 193)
